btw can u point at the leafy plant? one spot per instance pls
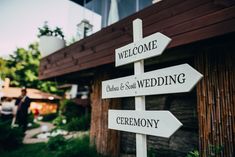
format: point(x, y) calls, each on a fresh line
point(29, 150)
point(47, 31)
point(215, 150)
point(58, 32)
point(56, 142)
point(70, 109)
point(78, 147)
point(58, 121)
point(10, 138)
point(194, 153)
point(79, 123)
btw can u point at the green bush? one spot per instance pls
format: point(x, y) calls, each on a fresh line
point(194, 153)
point(78, 147)
point(58, 121)
point(10, 138)
point(214, 150)
point(70, 109)
point(29, 150)
point(74, 125)
point(56, 142)
point(79, 123)
point(56, 147)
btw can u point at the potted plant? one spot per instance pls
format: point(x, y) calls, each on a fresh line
point(50, 40)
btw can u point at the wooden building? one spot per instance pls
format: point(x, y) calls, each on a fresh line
point(45, 103)
point(203, 35)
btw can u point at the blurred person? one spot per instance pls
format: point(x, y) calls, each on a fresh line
point(23, 103)
point(7, 108)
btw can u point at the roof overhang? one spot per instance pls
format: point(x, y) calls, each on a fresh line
point(185, 22)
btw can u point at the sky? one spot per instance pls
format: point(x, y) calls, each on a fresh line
point(20, 19)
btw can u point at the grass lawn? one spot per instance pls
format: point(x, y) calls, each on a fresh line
point(29, 150)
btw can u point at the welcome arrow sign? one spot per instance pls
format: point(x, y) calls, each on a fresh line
point(144, 48)
point(156, 123)
point(175, 79)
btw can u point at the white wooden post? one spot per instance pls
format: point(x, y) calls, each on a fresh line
point(141, 139)
point(115, 88)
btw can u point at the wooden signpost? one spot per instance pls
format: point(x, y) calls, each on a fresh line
point(176, 79)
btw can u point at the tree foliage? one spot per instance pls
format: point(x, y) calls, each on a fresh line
point(24, 66)
point(22, 69)
point(4, 70)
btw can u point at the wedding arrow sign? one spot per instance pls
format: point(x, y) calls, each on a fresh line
point(175, 79)
point(156, 123)
point(147, 47)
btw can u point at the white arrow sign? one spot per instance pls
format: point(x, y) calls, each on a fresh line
point(175, 79)
point(147, 47)
point(156, 123)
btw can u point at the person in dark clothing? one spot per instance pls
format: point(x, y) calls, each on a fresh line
point(23, 103)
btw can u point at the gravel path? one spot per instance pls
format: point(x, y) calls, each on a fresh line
point(30, 133)
point(28, 139)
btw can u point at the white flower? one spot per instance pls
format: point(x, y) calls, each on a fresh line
point(64, 121)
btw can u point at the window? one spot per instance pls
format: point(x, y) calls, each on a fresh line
point(125, 8)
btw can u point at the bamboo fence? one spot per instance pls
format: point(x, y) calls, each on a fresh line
point(216, 102)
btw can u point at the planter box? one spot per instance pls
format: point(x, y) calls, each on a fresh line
point(50, 44)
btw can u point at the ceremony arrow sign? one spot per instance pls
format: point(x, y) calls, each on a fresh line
point(144, 48)
point(175, 79)
point(156, 123)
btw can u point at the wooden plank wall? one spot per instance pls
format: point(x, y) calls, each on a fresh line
point(105, 140)
point(185, 21)
point(216, 101)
